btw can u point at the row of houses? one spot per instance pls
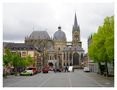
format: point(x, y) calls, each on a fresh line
point(23, 50)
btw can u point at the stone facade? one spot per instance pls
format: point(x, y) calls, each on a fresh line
point(58, 50)
point(67, 53)
point(24, 50)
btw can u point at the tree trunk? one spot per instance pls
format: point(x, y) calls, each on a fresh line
point(15, 71)
point(106, 67)
point(99, 66)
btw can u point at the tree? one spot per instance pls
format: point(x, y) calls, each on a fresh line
point(28, 61)
point(7, 59)
point(16, 62)
point(102, 47)
point(109, 42)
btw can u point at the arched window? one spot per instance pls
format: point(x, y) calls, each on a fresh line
point(67, 55)
point(70, 56)
point(67, 64)
point(64, 55)
point(64, 64)
point(55, 56)
point(50, 57)
point(75, 59)
point(82, 57)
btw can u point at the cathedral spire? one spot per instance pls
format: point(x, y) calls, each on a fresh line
point(76, 33)
point(75, 26)
point(75, 21)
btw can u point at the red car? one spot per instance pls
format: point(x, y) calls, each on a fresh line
point(45, 70)
point(38, 71)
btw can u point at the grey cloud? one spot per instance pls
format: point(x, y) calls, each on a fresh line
point(19, 18)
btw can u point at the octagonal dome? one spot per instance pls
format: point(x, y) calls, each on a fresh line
point(59, 35)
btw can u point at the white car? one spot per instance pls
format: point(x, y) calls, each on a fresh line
point(86, 69)
point(70, 69)
point(30, 71)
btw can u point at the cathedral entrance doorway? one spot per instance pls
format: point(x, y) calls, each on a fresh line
point(75, 59)
point(51, 64)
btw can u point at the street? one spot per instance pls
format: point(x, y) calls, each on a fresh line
point(78, 78)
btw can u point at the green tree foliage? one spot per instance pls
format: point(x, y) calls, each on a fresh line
point(28, 61)
point(7, 58)
point(15, 60)
point(109, 42)
point(101, 48)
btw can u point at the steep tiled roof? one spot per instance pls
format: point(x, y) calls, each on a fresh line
point(19, 46)
point(39, 35)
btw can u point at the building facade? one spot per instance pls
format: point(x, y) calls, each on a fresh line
point(25, 50)
point(93, 67)
point(57, 51)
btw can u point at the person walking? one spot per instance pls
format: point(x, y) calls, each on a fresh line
point(66, 69)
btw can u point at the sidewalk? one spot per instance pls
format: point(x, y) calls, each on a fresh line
point(106, 81)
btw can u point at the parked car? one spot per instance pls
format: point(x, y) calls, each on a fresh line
point(38, 71)
point(45, 70)
point(32, 70)
point(86, 69)
point(26, 73)
point(29, 71)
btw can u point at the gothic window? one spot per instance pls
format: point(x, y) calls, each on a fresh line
point(67, 64)
point(82, 57)
point(70, 56)
point(64, 64)
point(64, 55)
point(50, 57)
point(55, 56)
point(67, 55)
point(75, 59)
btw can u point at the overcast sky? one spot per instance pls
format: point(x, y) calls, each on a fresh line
point(19, 19)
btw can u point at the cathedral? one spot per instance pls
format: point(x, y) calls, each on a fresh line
point(57, 51)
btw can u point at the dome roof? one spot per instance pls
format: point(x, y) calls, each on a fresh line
point(59, 35)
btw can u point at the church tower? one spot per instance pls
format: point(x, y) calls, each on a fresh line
point(76, 33)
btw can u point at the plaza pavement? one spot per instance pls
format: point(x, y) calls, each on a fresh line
point(78, 78)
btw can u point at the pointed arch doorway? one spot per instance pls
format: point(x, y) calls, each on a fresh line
point(75, 59)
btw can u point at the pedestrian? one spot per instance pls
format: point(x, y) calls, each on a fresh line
point(66, 69)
